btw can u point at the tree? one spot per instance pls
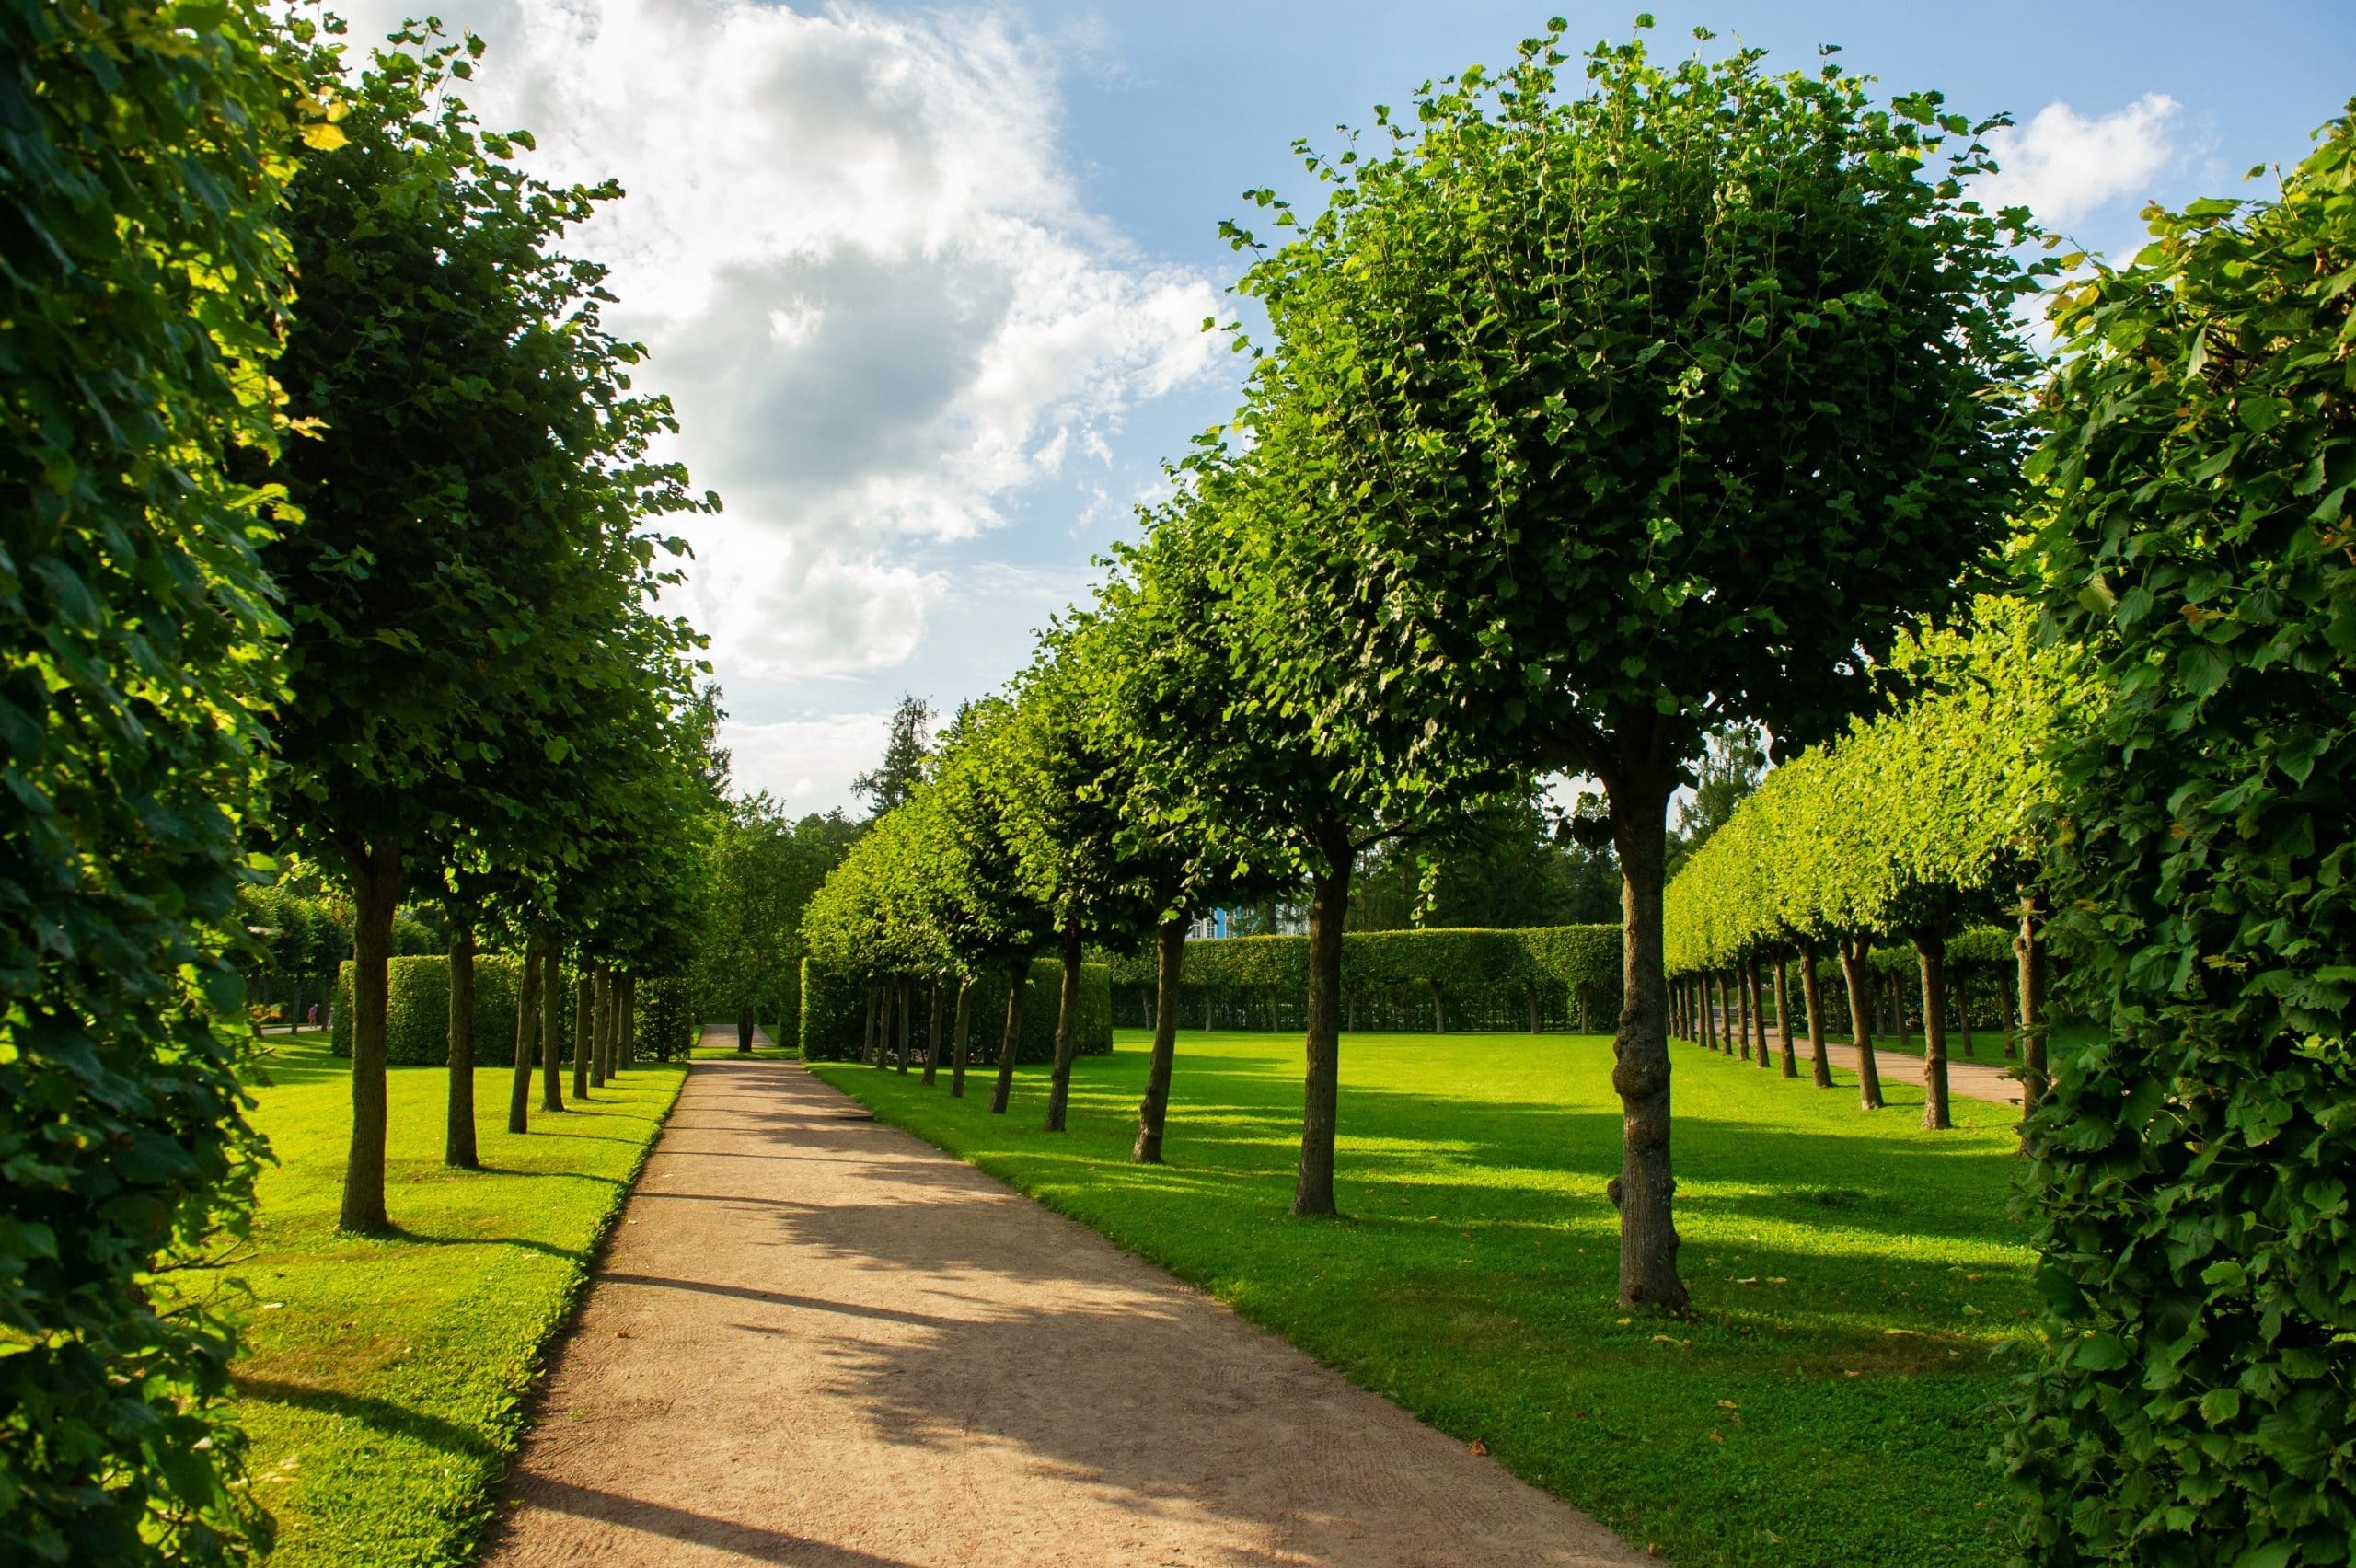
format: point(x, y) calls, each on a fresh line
point(2190, 1169)
point(1065, 789)
point(1640, 412)
point(764, 869)
point(897, 777)
point(1245, 731)
point(143, 157)
point(468, 493)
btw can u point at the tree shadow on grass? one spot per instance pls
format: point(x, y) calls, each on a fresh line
point(379, 1415)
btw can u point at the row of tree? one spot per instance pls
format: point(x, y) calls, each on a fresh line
point(1590, 424)
point(329, 539)
point(1914, 825)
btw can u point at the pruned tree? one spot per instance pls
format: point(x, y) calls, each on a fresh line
point(473, 482)
point(1644, 409)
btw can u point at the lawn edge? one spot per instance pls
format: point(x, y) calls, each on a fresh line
point(472, 1523)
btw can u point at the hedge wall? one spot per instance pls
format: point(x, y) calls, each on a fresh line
point(834, 1013)
point(1484, 980)
point(417, 1013)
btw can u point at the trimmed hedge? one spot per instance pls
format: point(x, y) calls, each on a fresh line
point(417, 1012)
point(834, 1014)
point(1469, 978)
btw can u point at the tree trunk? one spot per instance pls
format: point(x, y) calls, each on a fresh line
point(601, 1024)
point(626, 1027)
point(551, 1027)
point(1961, 989)
point(869, 1051)
point(1758, 997)
point(747, 1022)
point(2006, 997)
point(907, 1020)
point(1533, 1012)
point(1018, 979)
point(1067, 1031)
point(1320, 1087)
point(1207, 1010)
point(932, 1030)
point(1784, 1021)
point(459, 1139)
point(1745, 997)
point(1646, 1187)
point(1861, 1028)
point(376, 893)
point(1812, 998)
point(1440, 1010)
point(957, 1038)
point(1153, 1111)
point(1709, 1018)
point(1933, 951)
point(527, 1015)
point(1587, 1025)
point(588, 1073)
point(2028, 946)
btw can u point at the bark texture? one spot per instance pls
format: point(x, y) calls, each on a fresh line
point(957, 1040)
point(1932, 950)
point(1783, 1021)
point(1016, 974)
point(1812, 997)
point(1320, 1084)
point(551, 1027)
point(459, 1137)
point(1860, 1027)
point(1066, 1030)
point(376, 889)
point(626, 1027)
point(932, 1029)
point(528, 1017)
point(1646, 1187)
point(587, 1073)
point(1153, 1111)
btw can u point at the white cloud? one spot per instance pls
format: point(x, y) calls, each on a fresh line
point(808, 763)
point(853, 244)
point(2063, 166)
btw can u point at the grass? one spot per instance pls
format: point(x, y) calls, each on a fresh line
point(382, 1378)
point(1854, 1278)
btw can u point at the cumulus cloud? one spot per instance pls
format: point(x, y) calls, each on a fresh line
point(853, 244)
point(807, 763)
point(2063, 166)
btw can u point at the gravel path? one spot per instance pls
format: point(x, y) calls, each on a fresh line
point(815, 1340)
point(1970, 1077)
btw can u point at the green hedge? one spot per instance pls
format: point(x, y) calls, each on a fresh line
point(1485, 979)
point(417, 1012)
point(667, 1025)
point(834, 1014)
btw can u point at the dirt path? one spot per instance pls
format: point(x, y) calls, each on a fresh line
point(1976, 1079)
point(815, 1340)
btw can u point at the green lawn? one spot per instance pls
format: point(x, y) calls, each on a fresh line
point(1853, 1277)
point(381, 1378)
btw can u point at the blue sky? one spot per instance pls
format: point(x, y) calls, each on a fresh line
point(925, 280)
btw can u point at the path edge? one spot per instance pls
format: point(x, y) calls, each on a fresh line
point(477, 1524)
point(1047, 1206)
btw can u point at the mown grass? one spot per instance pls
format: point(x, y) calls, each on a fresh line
point(1855, 1279)
point(382, 1377)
